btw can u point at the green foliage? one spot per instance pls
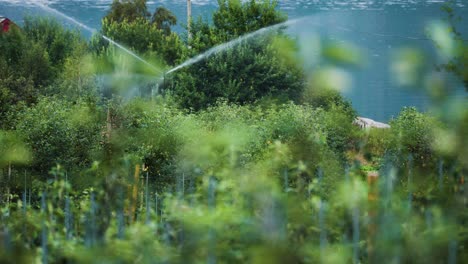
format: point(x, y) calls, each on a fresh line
point(129, 10)
point(247, 181)
point(327, 99)
point(376, 143)
point(342, 135)
point(32, 59)
point(458, 62)
point(143, 180)
point(60, 43)
point(413, 133)
point(451, 139)
point(60, 132)
point(244, 74)
point(77, 79)
point(128, 23)
point(161, 136)
point(234, 18)
point(204, 36)
point(143, 37)
point(408, 66)
point(343, 53)
point(150, 131)
point(23, 58)
point(24, 68)
point(13, 150)
point(164, 20)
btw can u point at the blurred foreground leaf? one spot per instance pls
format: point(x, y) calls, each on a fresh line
point(12, 150)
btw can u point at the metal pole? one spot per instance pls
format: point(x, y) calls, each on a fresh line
point(189, 19)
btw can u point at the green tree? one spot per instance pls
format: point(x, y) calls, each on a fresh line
point(234, 18)
point(128, 23)
point(164, 20)
point(24, 69)
point(204, 36)
point(60, 132)
point(413, 133)
point(59, 42)
point(144, 37)
point(26, 58)
point(32, 60)
point(129, 10)
point(244, 73)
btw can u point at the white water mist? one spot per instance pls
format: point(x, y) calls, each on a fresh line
point(231, 44)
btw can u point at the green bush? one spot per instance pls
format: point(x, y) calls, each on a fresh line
point(413, 133)
point(242, 75)
point(60, 132)
point(59, 41)
point(256, 69)
point(24, 69)
point(32, 59)
point(143, 37)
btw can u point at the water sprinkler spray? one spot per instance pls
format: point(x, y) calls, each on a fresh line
point(94, 31)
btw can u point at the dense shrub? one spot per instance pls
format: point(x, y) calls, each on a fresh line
point(24, 69)
point(32, 59)
point(159, 135)
point(376, 142)
point(328, 99)
point(234, 18)
point(60, 132)
point(150, 131)
point(413, 134)
point(129, 10)
point(244, 74)
point(59, 42)
point(144, 37)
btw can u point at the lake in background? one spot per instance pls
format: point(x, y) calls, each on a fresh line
point(378, 28)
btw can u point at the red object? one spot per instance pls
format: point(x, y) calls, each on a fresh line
point(5, 24)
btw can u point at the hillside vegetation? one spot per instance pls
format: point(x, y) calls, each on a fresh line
point(244, 157)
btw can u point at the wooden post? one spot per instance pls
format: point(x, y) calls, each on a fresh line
point(108, 125)
point(8, 185)
point(372, 181)
point(134, 194)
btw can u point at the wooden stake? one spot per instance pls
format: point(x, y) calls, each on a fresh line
point(134, 198)
point(372, 181)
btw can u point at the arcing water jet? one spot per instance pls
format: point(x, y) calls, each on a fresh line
point(94, 31)
point(230, 44)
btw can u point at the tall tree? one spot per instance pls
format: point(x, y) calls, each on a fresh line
point(232, 19)
point(244, 73)
point(128, 23)
point(129, 10)
point(235, 18)
point(144, 37)
point(164, 20)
